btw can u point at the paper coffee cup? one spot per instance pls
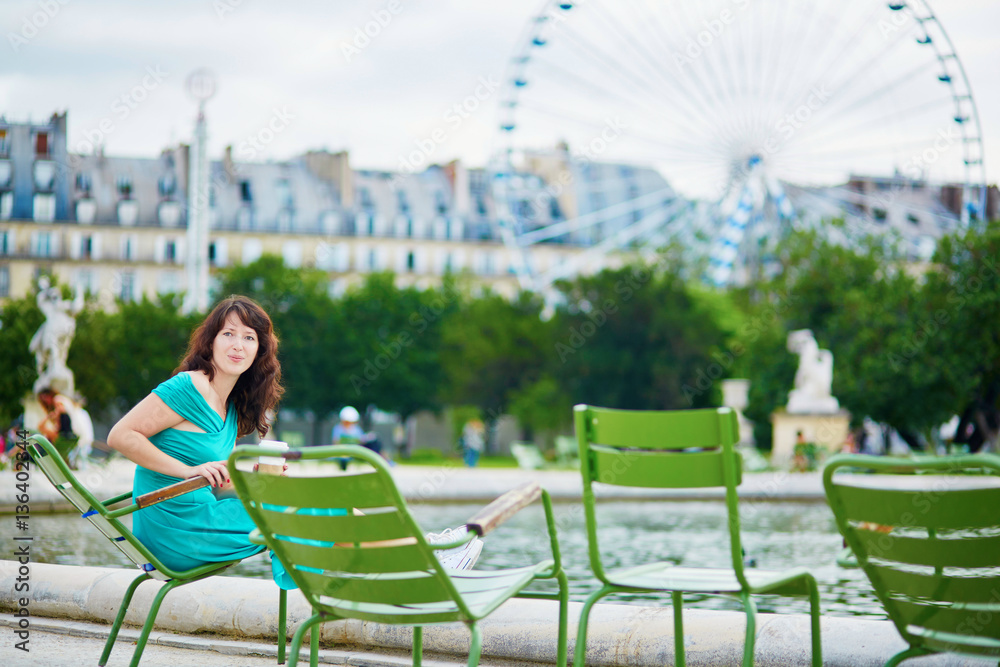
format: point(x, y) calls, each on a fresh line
point(272, 465)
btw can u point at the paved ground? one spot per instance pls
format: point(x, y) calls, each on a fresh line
point(61, 643)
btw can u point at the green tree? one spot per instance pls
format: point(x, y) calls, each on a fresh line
point(150, 338)
point(492, 348)
point(19, 320)
point(958, 334)
point(394, 341)
point(639, 337)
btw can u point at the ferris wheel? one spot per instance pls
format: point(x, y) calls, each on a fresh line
point(723, 124)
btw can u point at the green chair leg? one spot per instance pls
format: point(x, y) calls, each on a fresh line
point(147, 627)
point(751, 611)
point(911, 652)
point(580, 653)
point(678, 600)
point(817, 644)
point(282, 624)
point(314, 646)
point(116, 626)
point(562, 649)
point(418, 645)
point(475, 646)
point(299, 634)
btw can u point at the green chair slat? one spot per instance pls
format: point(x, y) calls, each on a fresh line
point(940, 587)
point(950, 509)
point(675, 449)
point(358, 560)
point(416, 588)
point(969, 552)
point(358, 490)
point(674, 429)
point(340, 529)
point(379, 613)
point(340, 565)
point(649, 469)
point(955, 619)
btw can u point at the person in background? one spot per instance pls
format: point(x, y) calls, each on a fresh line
point(472, 441)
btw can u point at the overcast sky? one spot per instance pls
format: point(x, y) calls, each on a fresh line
point(287, 66)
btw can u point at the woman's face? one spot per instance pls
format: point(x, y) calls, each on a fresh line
point(235, 347)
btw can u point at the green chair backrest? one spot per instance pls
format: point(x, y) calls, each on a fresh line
point(97, 512)
point(929, 543)
point(659, 449)
point(310, 523)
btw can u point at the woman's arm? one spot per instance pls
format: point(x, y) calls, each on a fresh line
point(130, 436)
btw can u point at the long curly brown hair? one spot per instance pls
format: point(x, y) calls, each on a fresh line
point(258, 389)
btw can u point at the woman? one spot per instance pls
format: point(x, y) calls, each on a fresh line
point(223, 388)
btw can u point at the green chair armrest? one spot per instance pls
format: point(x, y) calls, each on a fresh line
point(257, 538)
point(158, 496)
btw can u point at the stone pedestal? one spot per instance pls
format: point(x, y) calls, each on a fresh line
point(828, 431)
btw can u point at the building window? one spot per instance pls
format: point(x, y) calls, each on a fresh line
point(371, 225)
point(127, 290)
point(211, 253)
point(42, 144)
point(409, 227)
point(128, 248)
point(410, 262)
point(4, 281)
point(284, 191)
point(441, 202)
point(86, 247)
point(365, 198)
point(83, 183)
point(4, 147)
point(245, 194)
point(170, 252)
point(167, 185)
point(372, 260)
point(252, 250)
point(402, 202)
point(45, 208)
point(41, 244)
point(481, 206)
point(124, 186)
point(6, 205)
point(6, 243)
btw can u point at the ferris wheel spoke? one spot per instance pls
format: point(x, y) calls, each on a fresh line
point(875, 95)
point(633, 45)
point(595, 127)
point(595, 217)
point(722, 95)
point(875, 125)
point(654, 114)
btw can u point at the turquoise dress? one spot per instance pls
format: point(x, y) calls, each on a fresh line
point(196, 528)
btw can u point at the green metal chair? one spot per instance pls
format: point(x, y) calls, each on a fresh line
point(350, 543)
point(107, 520)
point(675, 449)
point(929, 544)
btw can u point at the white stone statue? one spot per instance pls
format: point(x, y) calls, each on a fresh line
point(51, 342)
point(814, 377)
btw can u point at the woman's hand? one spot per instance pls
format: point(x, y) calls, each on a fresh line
point(214, 471)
